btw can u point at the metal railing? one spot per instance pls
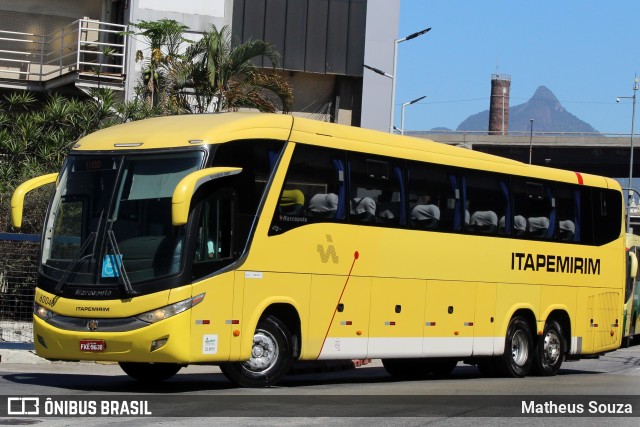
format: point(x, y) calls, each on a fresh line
point(85, 46)
point(18, 277)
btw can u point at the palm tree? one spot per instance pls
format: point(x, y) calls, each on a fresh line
point(164, 37)
point(225, 78)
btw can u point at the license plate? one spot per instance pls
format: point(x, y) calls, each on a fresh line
point(95, 346)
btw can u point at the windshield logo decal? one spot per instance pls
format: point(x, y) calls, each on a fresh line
point(329, 252)
point(109, 268)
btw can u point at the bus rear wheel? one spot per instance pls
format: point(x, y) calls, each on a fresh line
point(271, 356)
point(550, 350)
point(518, 349)
point(150, 372)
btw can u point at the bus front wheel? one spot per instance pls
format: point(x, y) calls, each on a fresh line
point(271, 356)
point(150, 372)
point(550, 350)
point(518, 349)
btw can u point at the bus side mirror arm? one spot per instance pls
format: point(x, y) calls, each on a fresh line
point(17, 199)
point(186, 188)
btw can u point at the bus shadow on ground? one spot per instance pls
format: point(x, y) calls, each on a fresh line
point(195, 382)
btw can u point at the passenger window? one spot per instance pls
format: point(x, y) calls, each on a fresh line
point(375, 190)
point(214, 246)
point(607, 215)
point(314, 189)
point(569, 218)
point(434, 199)
point(488, 203)
point(534, 213)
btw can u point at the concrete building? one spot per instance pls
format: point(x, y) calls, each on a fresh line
point(60, 45)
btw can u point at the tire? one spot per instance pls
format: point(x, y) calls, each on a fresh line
point(518, 350)
point(550, 350)
point(271, 356)
point(150, 372)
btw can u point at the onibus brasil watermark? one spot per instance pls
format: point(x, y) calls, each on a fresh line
point(63, 406)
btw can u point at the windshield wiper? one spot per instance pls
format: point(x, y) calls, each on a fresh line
point(74, 262)
point(128, 289)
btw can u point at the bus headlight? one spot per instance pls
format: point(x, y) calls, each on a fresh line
point(162, 313)
point(42, 312)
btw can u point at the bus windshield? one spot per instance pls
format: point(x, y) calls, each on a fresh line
point(110, 219)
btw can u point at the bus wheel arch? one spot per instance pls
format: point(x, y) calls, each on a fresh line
point(274, 348)
point(289, 316)
point(552, 346)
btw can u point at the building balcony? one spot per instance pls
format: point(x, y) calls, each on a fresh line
point(84, 53)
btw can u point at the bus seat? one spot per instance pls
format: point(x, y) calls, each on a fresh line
point(323, 205)
point(363, 210)
point(425, 216)
point(483, 222)
point(388, 213)
point(538, 226)
point(519, 225)
point(292, 202)
point(567, 229)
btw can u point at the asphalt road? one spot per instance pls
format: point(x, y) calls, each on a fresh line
point(367, 395)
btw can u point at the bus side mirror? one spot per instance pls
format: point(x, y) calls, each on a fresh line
point(184, 191)
point(17, 199)
point(633, 265)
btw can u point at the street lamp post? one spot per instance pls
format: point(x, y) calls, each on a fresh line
point(530, 139)
point(633, 120)
point(404, 104)
point(395, 63)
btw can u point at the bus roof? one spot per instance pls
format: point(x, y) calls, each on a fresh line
point(187, 130)
point(202, 129)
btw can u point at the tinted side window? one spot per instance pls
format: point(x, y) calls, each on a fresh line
point(488, 202)
point(375, 190)
point(434, 197)
point(314, 189)
point(534, 213)
point(214, 245)
point(569, 201)
point(607, 214)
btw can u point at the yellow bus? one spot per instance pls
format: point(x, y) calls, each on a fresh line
point(631, 331)
point(254, 240)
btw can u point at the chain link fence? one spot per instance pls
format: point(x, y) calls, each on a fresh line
point(18, 276)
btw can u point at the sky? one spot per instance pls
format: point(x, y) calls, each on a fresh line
point(586, 52)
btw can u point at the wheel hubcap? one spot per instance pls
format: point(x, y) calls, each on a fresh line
point(551, 348)
point(519, 348)
point(264, 352)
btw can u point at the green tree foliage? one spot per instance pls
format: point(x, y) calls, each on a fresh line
point(164, 38)
point(36, 135)
point(224, 76)
point(211, 75)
